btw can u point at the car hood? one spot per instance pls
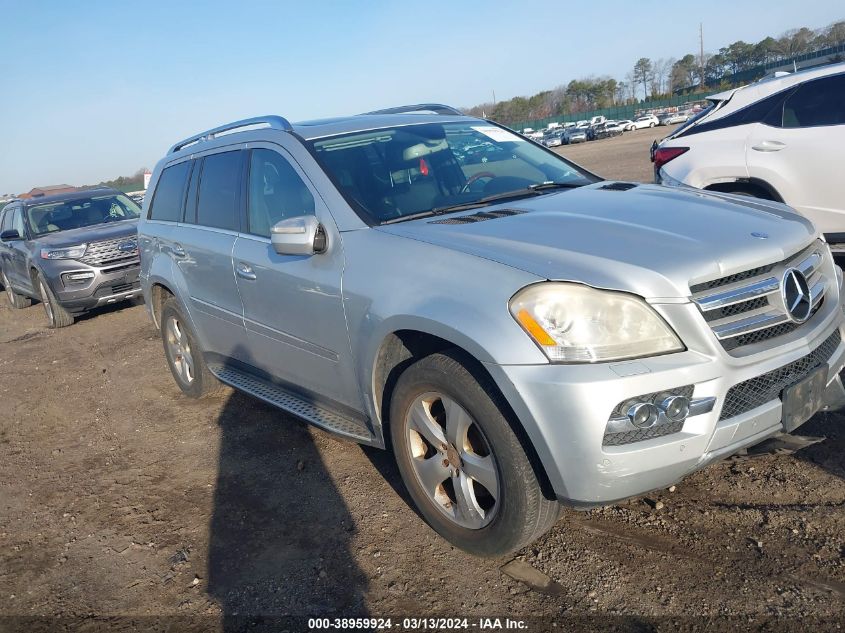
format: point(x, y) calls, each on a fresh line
point(650, 240)
point(88, 234)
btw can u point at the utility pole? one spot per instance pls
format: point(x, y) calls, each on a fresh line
point(701, 52)
point(494, 98)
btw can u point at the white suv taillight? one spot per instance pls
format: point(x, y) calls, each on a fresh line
point(663, 155)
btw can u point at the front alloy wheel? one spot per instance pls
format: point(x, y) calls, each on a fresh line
point(468, 472)
point(452, 460)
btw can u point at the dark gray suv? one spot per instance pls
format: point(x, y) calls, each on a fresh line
point(72, 252)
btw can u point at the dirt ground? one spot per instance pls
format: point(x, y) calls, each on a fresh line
point(622, 157)
point(126, 506)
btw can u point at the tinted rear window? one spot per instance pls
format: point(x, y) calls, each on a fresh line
point(219, 191)
point(169, 193)
point(819, 102)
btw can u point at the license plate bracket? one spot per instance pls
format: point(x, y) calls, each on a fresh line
point(803, 399)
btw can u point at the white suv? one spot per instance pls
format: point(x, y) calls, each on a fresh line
point(781, 139)
point(646, 121)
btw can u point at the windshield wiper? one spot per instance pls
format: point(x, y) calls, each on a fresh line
point(544, 186)
point(531, 190)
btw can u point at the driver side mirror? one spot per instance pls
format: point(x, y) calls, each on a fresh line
point(303, 235)
point(10, 235)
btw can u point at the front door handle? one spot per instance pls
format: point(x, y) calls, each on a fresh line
point(768, 146)
point(245, 271)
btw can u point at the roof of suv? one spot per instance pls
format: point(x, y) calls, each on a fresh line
point(770, 85)
point(362, 122)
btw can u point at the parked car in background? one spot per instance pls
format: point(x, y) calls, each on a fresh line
point(72, 252)
point(673, 118)
point(778, 139)
point(575, 135)
point(607, 129)
point(553, 139)
point(520, 333)
point(646, 121)
point(627, 125)
point(663, 117)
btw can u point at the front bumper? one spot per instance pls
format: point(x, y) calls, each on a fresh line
point(565, 411)
point(105, 285)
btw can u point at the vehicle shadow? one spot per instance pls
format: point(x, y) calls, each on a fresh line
point(106, 309)
point(829, 454)
point(280, 532)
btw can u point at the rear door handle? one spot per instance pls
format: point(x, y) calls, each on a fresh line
point(768, 146)
point(245, 271)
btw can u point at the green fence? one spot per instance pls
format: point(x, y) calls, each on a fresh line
point(628, 111)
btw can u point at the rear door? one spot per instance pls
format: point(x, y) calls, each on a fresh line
point(202, 246)
point(293, 307)
point(800, 151)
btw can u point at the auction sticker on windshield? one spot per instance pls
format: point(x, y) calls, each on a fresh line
point(497, 134)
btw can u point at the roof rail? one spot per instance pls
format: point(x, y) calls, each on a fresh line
point(437, 108)
point(274, 121)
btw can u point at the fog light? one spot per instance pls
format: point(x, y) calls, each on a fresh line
point(80, 276)
point(676, 408)
point(643, 415)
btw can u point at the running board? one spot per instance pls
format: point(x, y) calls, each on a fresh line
point(271, 393)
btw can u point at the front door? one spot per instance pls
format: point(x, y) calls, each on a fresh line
point(16, 269)
point(293, 308)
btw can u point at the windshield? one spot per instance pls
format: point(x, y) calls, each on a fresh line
point(391, 173)
point(81, 212)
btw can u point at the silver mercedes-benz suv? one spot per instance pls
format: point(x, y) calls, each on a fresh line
point(520, 332)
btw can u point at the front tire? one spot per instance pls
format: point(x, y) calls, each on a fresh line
point(17, 301)
point(57, 316)
point(461, 461)
point(184, 355)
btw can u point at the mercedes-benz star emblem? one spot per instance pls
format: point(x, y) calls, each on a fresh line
point(796, 295)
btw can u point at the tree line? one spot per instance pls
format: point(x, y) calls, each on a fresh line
point(660, 78)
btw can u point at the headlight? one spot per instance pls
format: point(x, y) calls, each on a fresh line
point(573, 323)
point(71, 252)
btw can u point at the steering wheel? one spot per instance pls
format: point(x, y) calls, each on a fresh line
point(475, 177)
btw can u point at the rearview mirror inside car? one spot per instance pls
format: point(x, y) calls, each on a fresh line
point(303, 235)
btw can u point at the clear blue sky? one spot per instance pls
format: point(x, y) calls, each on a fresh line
point(93, 90)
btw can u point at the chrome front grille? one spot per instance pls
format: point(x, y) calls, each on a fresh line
point(747, 307)
point(109, 252)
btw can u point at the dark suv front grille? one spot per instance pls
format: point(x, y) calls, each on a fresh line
point(111, 252)
point(752, 393)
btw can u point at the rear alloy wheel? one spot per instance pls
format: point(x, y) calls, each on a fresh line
point(16, 300)
point(57, 316)
point(183, 353)
point(463, 465)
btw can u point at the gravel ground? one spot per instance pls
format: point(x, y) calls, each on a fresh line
point(124, 505)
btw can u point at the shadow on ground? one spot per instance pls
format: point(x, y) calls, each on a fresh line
point(280, 533)
point(829, 454)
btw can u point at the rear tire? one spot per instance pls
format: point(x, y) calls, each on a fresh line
point(17, 301)
point(461, 461)
point(184, 355)
point(57, 316)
